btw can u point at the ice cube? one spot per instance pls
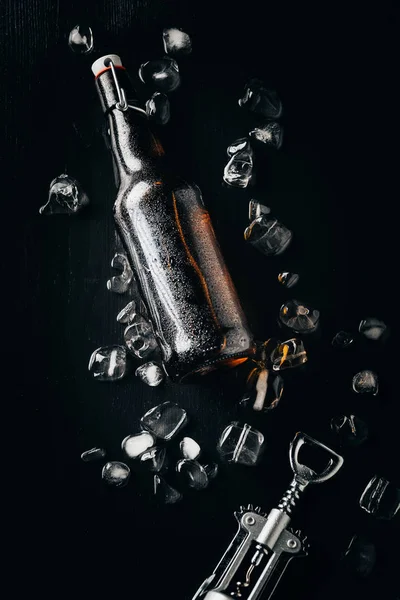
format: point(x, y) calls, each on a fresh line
point(127, 314)
point(163, 74)
point(242, 144)
point(116, 474)
point(360, 556)
point(239, 169)
point(192, 474)
point(66, 196)
point(366, 382)
point(241, 444)
point(262, 100)
point(263, 390)
point(271, 134)
point(189, 448)
point(288, 279)
point(289, 354)
point(351, 430)
point(80, 39)
point(342, 339)
point(120, 283)
point(165, 420)
point(299, 317)
point(108, 363)
point(139, 338)
point(158, 108)
point(372, 328)
point(380, 498)
point(153, 459)
point(257, 210)
point(135, 445)
point(93, 454)
point(164, 492)
point(211, 470)
point(150, 373)
point(268, 235)
point(176, 41)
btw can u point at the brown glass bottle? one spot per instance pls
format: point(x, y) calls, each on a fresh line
point(170, 241)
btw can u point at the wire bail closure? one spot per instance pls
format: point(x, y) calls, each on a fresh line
point(122, 103)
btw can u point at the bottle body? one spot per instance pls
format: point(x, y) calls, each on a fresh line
point(170, 242)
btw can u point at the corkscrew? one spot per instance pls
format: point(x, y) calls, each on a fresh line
point(263, 546)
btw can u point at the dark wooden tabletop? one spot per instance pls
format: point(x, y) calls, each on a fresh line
point(333, 183)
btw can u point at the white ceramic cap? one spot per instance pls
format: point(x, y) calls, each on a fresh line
point(99, 65)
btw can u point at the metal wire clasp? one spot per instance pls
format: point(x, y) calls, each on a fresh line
point(122, 103)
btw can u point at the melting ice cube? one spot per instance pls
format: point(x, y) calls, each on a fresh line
point(381, 498)
point(241, 444)
point(299, 317)
point(93, 454)
point(268, 235)
point(158, 108)
point(150, 373)
point(270, 134)
point(192, 473)
point(372, 328)
point(120, 283)
point(366, 382)
point(262, 100)
point(80, 39)
point(66, 196)
point(116, 474)
point(164, 492)
point(176, 41)
point(239, 169)
point(108, 363)
point(165, 420)
point(288, 279)
point(189, 448)
point(162, 74)
point(263, 390)
point(135, 445)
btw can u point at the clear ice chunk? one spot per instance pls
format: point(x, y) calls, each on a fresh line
point(127, 314)
point(288, 279)
point(135, 445)
point(342, 339)
point(241, 444)
point(351, 430)
point(299, 317)
point(257, 210)
point(153, 459)
point(263, 390)
point(176, 41)
point(366, 382)
point(80, 39)
point(66, 196)
point(289, 354)
point(268, 235)
point(260, 99)
point(372, 329)
point(271, 134)
point(93, 454)
point(163, 74)
point(380, 498)
point(189, 448)
point(139, 338)
point(164, 492)
point(211, 470)
point(242, 144)
point(239, 169)
point(150, 373)
point(120, 283)
point(360, 556)
point(108, 363)
point(116, 474)
point(192, 474)
point(165, 420)
point(158, 108)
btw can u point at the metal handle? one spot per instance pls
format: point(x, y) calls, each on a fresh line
point(306, 475)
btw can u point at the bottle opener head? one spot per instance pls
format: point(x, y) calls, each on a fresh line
point(304, 474)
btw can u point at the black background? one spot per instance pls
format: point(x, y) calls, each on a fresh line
point(333, 184)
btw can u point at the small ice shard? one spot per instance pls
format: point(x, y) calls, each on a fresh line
point(263, 390)
point(268, 235)
point(288, 279)
point(189, 448)
point(242, 144)
point(116, 474)
point(351, 430)
point(360, 556)
point(93, 454)
point(261, 100)
point(150, 373)
point(176, 41)
point(162, 74)
point(127, 314)
point(153, 459)
point(211, 470)
point(80, 39)
point(288, 354)
point(108, 363)
point(239, 169)
point(66, 196)
point(380, 498)
point(135, 445)
point(299, 317)
point(192, 473)
point(164, 492)
point(366, 382)
point(372, 329)
point(342, 339)
point(271, 134)
point(120, 283)
point(158, 108)
point(139, 338)
point(165, 420)
point(257, 210)
point(241, 444)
